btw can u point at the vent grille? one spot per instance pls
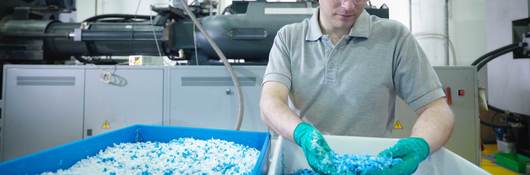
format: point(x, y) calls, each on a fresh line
point(45, 81)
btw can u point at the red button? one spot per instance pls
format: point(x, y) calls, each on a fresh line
point(461, 92)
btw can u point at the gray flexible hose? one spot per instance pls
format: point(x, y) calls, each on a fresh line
point(219, 53)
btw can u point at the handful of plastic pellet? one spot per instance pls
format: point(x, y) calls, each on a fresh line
point(179, 156)
point(355, 164)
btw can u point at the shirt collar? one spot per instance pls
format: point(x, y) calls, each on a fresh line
point(361, 28)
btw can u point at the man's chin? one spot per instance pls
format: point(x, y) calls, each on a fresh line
point(347, 25)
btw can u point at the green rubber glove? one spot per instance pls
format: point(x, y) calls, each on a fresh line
point(411, 150)
point(316, 149)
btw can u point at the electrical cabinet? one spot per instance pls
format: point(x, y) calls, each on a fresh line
point(129, 96)
point(43, 107)
point(204, 96)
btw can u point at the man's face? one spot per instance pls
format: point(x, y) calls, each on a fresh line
point(340, 13)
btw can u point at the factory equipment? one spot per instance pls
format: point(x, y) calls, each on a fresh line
point(79, 104)
point(515, 126)
point(173, 95)
point(246, 34)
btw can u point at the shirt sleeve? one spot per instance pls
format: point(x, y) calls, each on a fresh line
point(414, 78)
point(279, 66)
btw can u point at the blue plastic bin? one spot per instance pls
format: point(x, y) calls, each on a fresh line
point(62, 157)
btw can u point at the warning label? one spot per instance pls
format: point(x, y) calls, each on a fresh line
point(105, 125)
point(397, 125)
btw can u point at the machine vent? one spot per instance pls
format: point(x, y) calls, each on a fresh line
point(45, 81)
point(216, 81)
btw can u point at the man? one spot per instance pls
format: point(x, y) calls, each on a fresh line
point(342, 70)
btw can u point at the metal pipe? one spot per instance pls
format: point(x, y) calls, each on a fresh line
point(447, 58)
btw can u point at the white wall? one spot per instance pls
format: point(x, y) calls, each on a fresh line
point(429, 24)
point(508, 79)
point(428, 17)
point(466, 24)
point(85, 9)
point(399, 10)
point(467, 29)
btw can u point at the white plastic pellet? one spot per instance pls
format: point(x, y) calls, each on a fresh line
point(179, 156)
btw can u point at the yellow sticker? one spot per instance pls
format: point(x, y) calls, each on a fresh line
point(137, 60)
point(397, 125)
point(106, 125)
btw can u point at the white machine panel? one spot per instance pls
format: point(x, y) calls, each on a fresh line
point(131, 96)
point(49, 105)
point(204, 96)
point(43, 108)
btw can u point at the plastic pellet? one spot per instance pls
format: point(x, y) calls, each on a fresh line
point(355, 164)
point(179, 156)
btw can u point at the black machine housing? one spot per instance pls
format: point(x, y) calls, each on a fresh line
point(245, 32)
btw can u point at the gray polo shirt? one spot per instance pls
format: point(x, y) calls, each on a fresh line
point(350, 88)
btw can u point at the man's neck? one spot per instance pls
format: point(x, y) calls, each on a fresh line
point(334, 33)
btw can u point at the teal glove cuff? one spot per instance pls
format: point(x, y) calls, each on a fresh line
point(300, 130)
point(422, 145)
point(411, 150)
point(316, 150)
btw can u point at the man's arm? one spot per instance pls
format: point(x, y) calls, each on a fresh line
point(275, 110)
point(278, 116)
point(435, 123)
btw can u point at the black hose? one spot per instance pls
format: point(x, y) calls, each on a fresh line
point(82, 60)
point(97, 61)
point(495, 55)
point(228, 9)
point(124, 17)
point(491, 53)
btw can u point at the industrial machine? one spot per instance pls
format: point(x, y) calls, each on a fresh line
point(246, 34)
point(513, 132)
point(40, 99)
point(48, 105)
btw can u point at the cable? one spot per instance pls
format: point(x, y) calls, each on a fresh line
point(124, 17)
point(195, 46)
point(219, 53)
point(229, 10)
point(154, 36)
point(478, 60)
point(132, 24)
point(82, 60)
point(495, 54)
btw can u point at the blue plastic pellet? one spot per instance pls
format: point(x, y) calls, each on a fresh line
point(356, 164)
